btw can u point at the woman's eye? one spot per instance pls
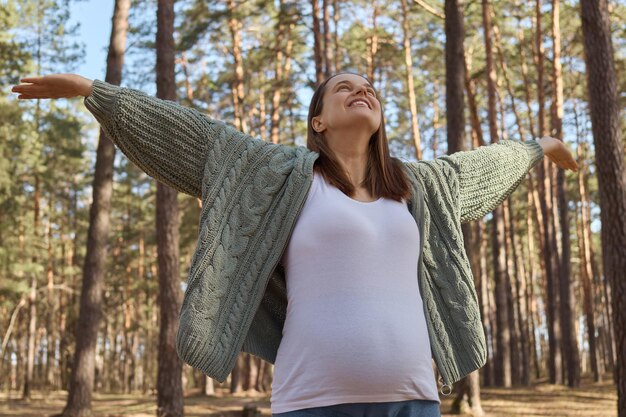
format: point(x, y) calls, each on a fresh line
point(342, 87)
point(371, 93)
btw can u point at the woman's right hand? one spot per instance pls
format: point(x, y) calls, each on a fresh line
point(53, 86)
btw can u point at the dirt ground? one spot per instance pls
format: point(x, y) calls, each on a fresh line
point(597, 400)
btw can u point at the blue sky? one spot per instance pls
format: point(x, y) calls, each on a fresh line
point(95, 19)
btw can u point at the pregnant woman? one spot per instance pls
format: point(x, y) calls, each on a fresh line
point(341, 265)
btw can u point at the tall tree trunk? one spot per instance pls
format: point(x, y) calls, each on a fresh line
point(535, 214)
point(548, 247)
point(252, 372)
point(317, 43)
point(524, 70)
point(208, 388)
point(503, 335)
point(468, 394)
point(328, 54)
point(336, 14)
point(127, 304)
point(512, 271)
point(586, 274)
point(282, 66)
point(234, 25)
point(609, 150)
point(482, 242)
point(408, 62)
point(184, 66)
point(51, 330)
point(584, 246)
point(435, 142)
point(519, 319)
point(455, 74)
point(81, 379)
point(532, 294)
point(32, 299)
point(477, 132)
point(169, 381)
point(457, 118)
point(566, 290)
point(372, 44)
point(237, 375)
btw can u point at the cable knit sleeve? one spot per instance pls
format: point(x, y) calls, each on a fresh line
point(481, 179)
point(168, 141)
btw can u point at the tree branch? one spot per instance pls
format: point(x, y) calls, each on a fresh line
point(429, 9)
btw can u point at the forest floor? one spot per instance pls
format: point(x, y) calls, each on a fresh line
point(541, 399)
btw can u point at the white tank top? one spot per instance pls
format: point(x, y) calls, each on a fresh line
point(355, 329)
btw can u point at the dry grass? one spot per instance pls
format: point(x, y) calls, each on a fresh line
point(597, 400)
point(542, 399)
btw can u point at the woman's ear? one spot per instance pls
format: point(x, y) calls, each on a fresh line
point(317, 125)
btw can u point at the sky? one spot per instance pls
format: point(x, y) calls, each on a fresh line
point(95, 30)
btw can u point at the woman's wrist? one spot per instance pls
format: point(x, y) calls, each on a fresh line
point(86, 87)
point(83, 86)
point(546, 143)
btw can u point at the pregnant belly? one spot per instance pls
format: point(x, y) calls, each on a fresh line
point(386, 347)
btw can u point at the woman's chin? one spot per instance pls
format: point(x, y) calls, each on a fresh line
point(361, 116)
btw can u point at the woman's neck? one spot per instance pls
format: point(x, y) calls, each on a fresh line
point(352, 154)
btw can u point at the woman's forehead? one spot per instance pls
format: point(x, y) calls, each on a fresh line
point(352, 78)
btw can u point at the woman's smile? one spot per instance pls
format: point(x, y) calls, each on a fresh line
point(359, 102)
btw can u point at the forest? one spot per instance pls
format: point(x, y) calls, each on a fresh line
point(95, 254)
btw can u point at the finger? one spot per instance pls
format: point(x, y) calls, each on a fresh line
point(33, 80)
point(29, 97)
point(28, 89)
point(20, 88)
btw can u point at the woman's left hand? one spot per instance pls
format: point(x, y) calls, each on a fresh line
point(556, 151)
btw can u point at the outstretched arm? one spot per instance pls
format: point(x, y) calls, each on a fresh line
point(168, 141)
point(481, 179)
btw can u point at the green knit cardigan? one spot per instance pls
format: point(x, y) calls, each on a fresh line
point(252, 193)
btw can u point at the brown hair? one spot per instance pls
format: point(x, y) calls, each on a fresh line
point(384, 175)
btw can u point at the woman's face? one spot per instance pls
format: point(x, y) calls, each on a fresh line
point(349, 101)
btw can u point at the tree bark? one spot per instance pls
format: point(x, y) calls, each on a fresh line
point(410, 85)
point(468, 394)
point(236, 375)
point(169, 382)
point(282, 67)
point(328, 54)
point(477, 133)
point(566, 290)
point(548, 246)
point(588, 277)
point(336, 14)
point(82, 376)
point(317, 43)
point(372, 44)
point(519, 297)
point(51, 331)
point(503, 335)
point(512, 271)
point(532, 294)
point(584, 241)
point(32, 302)
point(609, 151)
point(435, 142)
point(234, 25)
